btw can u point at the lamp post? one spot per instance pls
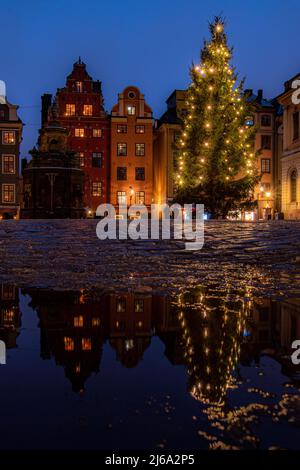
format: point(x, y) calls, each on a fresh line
point(131, 192)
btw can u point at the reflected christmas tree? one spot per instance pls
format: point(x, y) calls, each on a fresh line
point(212, 330)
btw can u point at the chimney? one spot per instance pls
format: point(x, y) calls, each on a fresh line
point(46, 103)
point(259, 95)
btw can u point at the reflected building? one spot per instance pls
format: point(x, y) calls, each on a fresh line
point(73, 330)
point(208, 331)
point(130, 326)
point(10, 316)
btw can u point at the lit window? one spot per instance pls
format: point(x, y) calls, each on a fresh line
point(266, 120)
point(79, 132)
point(8, 193)
point(121, 129)
point(140, 324)
point(140, 150)
point(78, 321)
point(121, 197)
point(293, 182)
point(81, 158)
point(121, 173)
point(9, 137)
point(97, 132)
point(121, 305)
point(78, 368)
point(140, 197)
point(70, 109)
point(122, 150)
point(79, 87)
point(87, 109)
point(69, 343)
point(131, 110)
point(129, 344)
point(8, 317)
point(266, 142)
point(140, 129)
point(8, 164)
point(97, 160)
point(139, 305)
point(97, 188)
point(95, 321)
point(249, 121)
point(86, 344)
point(266, 165)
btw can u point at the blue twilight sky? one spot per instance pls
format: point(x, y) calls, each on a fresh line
point(150, 44)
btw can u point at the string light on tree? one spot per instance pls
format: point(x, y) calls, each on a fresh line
point(215, 132)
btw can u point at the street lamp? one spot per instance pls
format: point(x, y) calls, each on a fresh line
point(131, 192)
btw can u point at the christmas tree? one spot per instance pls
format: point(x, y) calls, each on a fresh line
point(217, 163)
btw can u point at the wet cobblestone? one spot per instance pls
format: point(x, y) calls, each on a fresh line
point(63, 254)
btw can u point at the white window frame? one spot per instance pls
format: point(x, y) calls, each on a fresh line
point(7, 131)
point(8, 202)
point(8, 155)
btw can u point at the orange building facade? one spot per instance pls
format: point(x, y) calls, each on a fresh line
point(131, 176)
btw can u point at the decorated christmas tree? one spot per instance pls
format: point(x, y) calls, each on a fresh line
point(216, 163)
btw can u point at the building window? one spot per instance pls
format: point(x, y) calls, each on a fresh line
point(139, 305)
point(122, 150)
point(2, 114)
point(140, 150)
point(122, 129)
point(265, 120)
point(8, 164)
point(249, 121)
point(140, 174)
point(97, 160)
point(97, 132)
point(140, 197)
point(86, 344)
point(81, 159)
point(79, 87)
point(70, 109)
point(8, 292)
point(296, 125)
point(121, 197)
point(266, 142)
point(131, 110)
point(121, 173)
point(8, 137)
point(78, 321)
point(266, 165)
point(69, 343)
point(79, 132)
point(8, 193)
point(294, 186)
point(121, 305)
point(140, 129)
point(96, 188)
point(96, 321)
point(87, 109)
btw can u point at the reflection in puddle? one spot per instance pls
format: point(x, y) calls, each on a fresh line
point(232, 355)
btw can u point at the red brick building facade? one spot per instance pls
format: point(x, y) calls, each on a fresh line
point(81, 112)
